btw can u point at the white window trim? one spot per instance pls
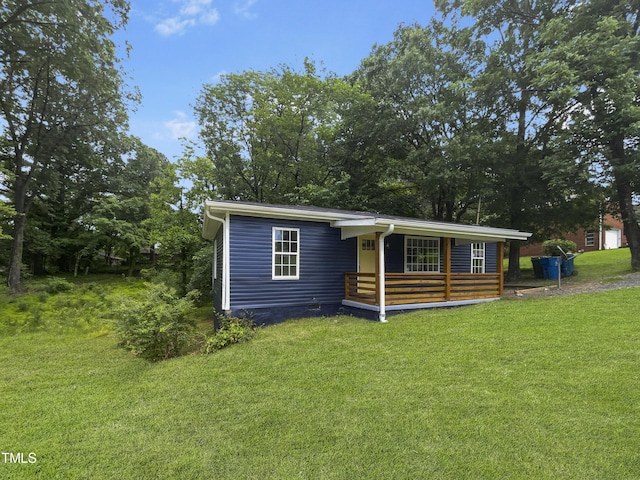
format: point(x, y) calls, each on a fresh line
point(406, 239)
point(589, 238)
point(273, 254)
point(484, 256)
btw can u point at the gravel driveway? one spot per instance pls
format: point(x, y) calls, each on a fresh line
point(630, 280)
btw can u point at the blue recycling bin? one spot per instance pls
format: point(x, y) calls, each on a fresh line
point(544, 265)
point(552, 268)
point(537, 267)
point(567, 267)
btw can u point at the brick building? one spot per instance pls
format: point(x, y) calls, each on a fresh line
point(609, 235)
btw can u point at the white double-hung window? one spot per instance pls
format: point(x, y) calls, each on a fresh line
point(286, 253)
point(477, 257)
point(589, 238)
point(422, 254)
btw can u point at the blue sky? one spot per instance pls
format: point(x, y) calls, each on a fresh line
point(180, 45)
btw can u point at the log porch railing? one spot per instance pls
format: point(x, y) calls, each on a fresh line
point(411, 288)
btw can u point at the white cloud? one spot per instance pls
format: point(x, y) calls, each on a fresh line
point(174, 25)
point(181, 127)
point(244, 9)
point(194, 7)
point(210, 17)
point(190, 14)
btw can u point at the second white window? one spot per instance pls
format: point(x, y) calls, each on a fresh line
point(477, 257)
point(286, 253)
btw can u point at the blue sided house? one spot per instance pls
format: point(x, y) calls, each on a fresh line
point(275, 262)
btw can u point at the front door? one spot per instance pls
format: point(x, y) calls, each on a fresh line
point(367, 264)
point(367, 254)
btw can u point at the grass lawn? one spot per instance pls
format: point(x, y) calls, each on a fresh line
point(589, 267)
point(541, 388)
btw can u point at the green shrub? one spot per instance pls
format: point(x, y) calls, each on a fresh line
point(550, 247)
point(162, 275)
point(201, 274)
point(158, 325)
point(91, 286)
point(232, 330)
point(24, 306)
point(57, 285)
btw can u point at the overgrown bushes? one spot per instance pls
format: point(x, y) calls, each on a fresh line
point(150, 319)
point(200, 278)
point(550, 247)
point(57, 285)
point(157, 326)
point(232, 330)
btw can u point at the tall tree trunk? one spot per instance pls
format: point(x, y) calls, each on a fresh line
point(629, 220)
point(15, 262)
point(76, 264)
point(513, 272)
point(625, 197)
point(21, 204)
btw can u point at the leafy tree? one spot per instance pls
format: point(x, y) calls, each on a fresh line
point(590, 68)
point(5, 211)
point(202, 266)
point(136, 174)
point(174, 227)
point(429, 124)
point(62, 97)
point(55, 234)
point(539, 183)
point(362, 183)
point(200, 173)
point(118, 219)
point(116, 226)
point(270, 135)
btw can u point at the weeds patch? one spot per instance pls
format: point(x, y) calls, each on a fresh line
point(60, 306)
point(232, 330)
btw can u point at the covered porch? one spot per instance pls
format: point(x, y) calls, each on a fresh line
point(411, 290)
point(381, 289)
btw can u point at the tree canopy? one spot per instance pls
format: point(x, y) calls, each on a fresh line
point(271, 136)
point(62, 98)
point(429, 123)
point(589, 64)
point(518, 113)
point(541, 182)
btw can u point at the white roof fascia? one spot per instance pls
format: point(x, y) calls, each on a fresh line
point(468, 233)
point(354, 224)
point(283, 212)
point(219, 209)
point(358, 222)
